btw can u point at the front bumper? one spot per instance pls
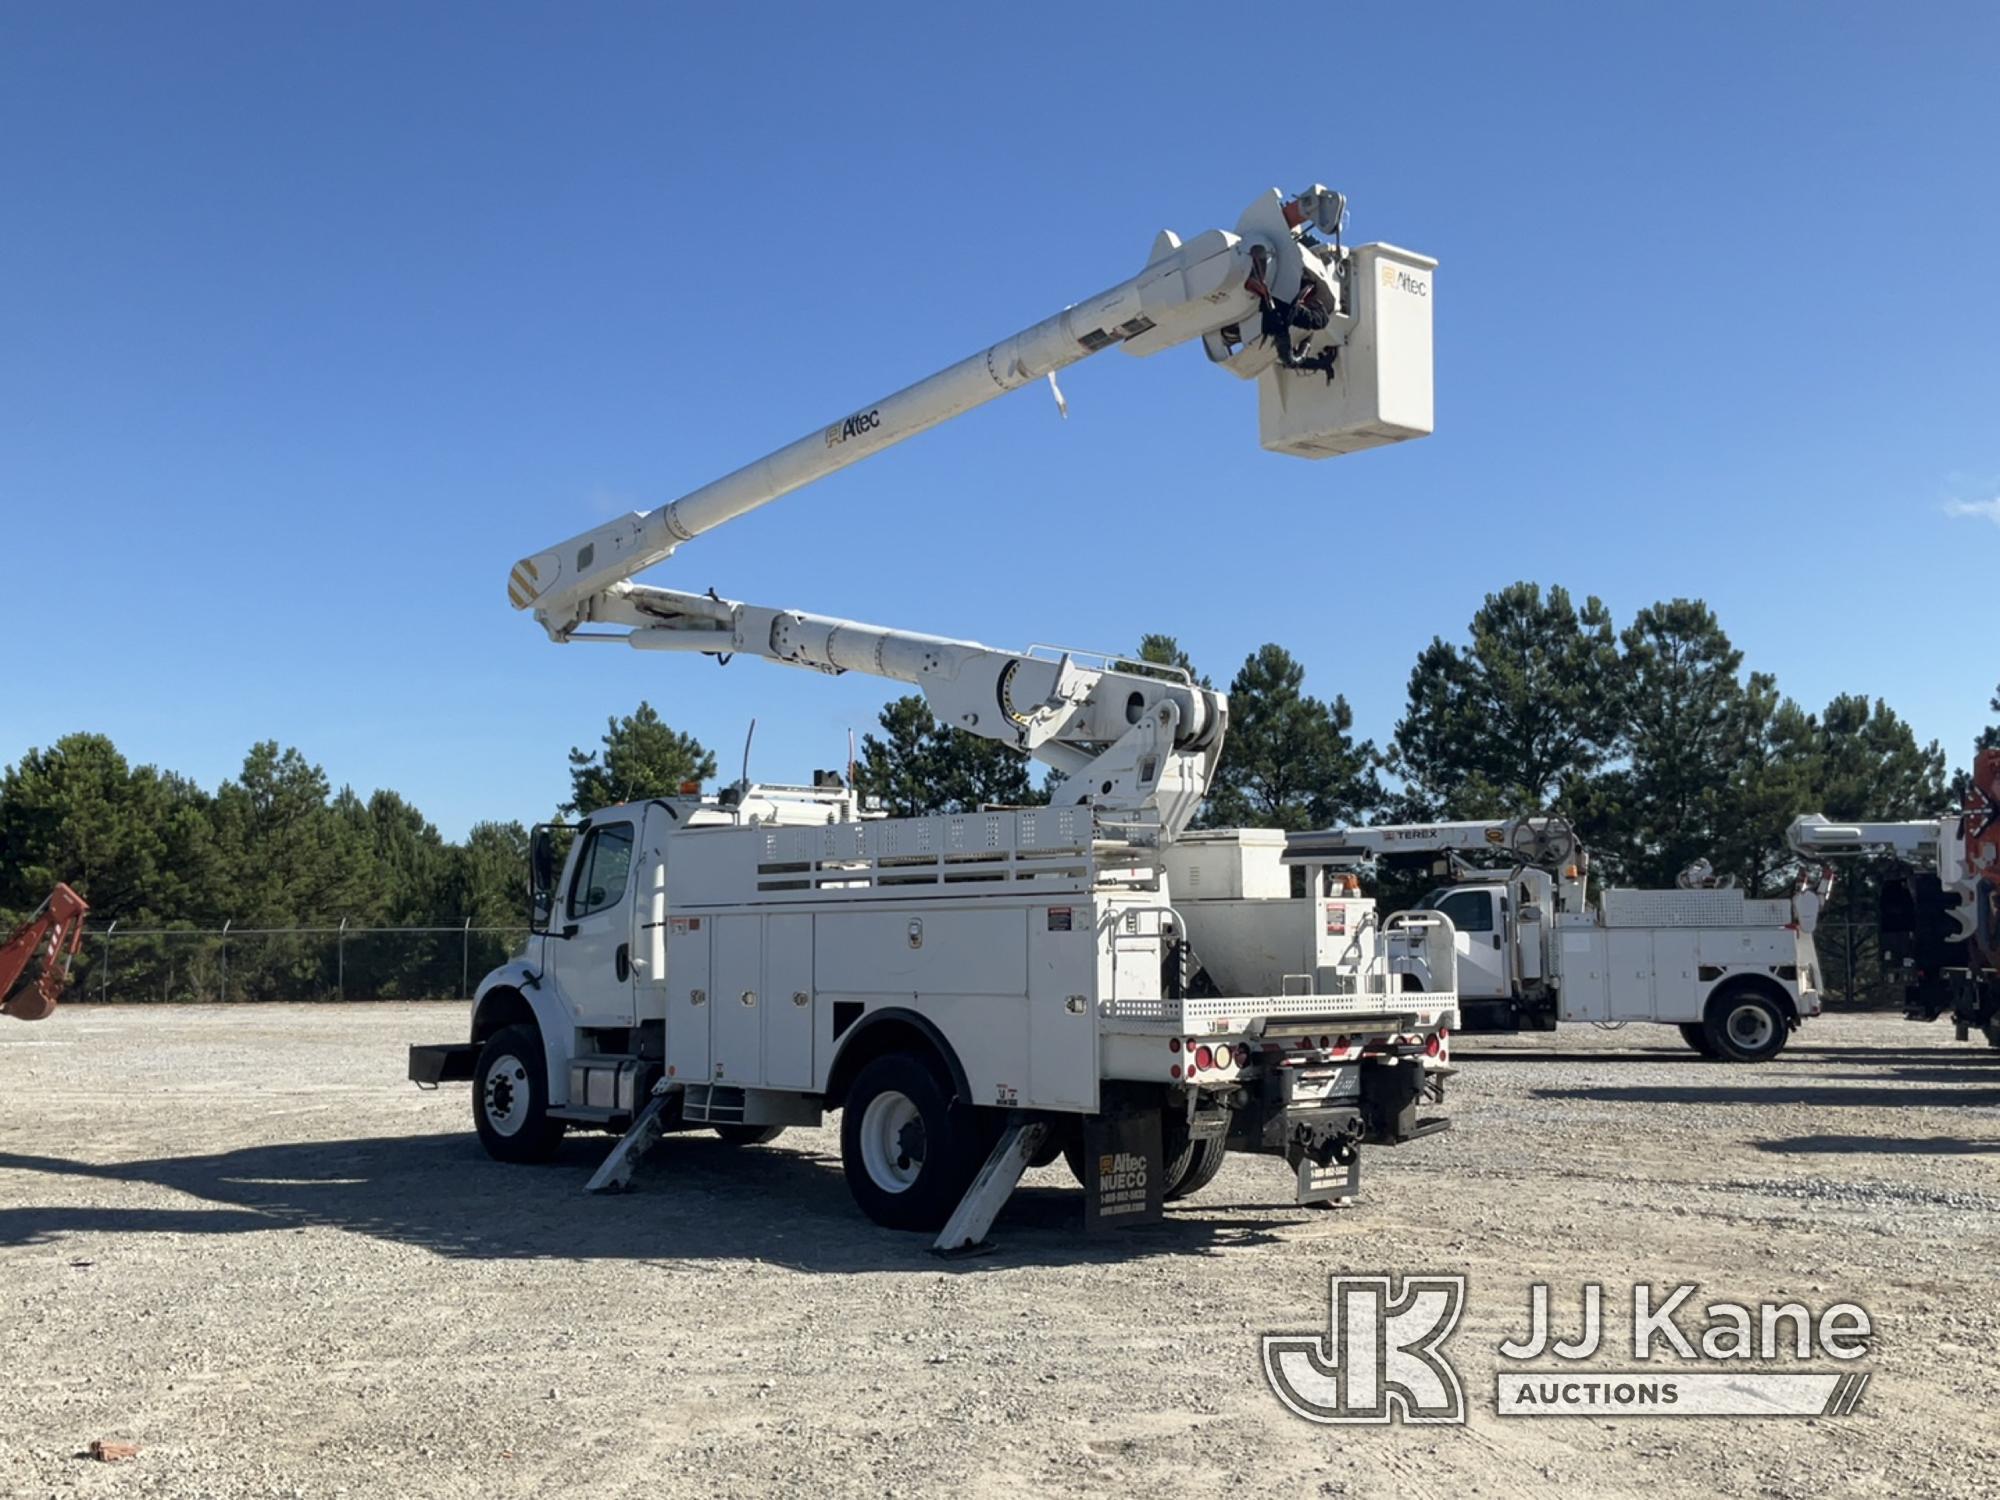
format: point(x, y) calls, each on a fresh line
point(442, 1062)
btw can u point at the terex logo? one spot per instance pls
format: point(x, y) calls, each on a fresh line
point(1379, 1360)
point(854, 426)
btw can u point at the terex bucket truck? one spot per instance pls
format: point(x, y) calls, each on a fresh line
point(979, 991)
point(1736, 975)
point(1940, 904)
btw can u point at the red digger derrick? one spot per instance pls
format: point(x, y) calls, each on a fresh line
point(52, 935)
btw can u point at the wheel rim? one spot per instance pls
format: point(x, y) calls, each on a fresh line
point(892, 1141)
point(505, 1096)
point(1751, 1027)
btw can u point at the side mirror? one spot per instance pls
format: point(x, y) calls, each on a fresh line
point(541, 879)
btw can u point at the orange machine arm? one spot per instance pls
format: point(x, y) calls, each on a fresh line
point(54, 931)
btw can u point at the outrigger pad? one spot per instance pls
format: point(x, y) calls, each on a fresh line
point(1123, 1171)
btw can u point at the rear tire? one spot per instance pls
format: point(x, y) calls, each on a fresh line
point(1189, 1165)
point(1206, 1162)
point(510, 1097)
point(1695, 1034)
point(748, 1135)
point(1746, 1026)
point(908, 1149)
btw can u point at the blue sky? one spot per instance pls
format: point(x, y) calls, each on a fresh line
point(313, 320)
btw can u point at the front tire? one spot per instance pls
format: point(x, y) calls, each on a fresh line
point(908, 1150)
point(1745, 1026)
point(510, 1097)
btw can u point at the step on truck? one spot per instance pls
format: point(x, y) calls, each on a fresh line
point(982, 990)
point(979, 991)
point(1734, 974)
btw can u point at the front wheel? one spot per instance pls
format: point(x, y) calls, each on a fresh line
point(1745, 1026)
point(510, 1097)
point(1696, 1036)
point(908, 1151)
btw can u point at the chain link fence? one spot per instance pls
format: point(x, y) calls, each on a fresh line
point(178, 965)
point(162, 965)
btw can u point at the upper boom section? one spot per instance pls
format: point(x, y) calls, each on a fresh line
point(1534, 841)
point(1339, 341)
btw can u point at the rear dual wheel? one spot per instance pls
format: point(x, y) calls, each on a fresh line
point(1695, 1034)
point(1190, 1164)
point(1745, 1025)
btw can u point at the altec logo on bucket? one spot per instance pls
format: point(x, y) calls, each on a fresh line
point(1382, 1357)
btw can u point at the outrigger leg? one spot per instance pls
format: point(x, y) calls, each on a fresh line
point(964, 1232)
point(616, 1173)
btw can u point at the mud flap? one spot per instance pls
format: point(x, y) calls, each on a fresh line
point(1334, 1183)
point(1123, 1170)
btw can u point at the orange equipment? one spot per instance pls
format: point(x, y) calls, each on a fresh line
point(57, 927)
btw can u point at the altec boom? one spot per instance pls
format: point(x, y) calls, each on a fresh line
point(977, 992)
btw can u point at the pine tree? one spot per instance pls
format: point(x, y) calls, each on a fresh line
point(1290, 760)
point(918, 766)
point(1515, 721)
point(641, 757)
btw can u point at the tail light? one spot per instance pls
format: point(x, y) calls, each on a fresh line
point(1203, 1057)
point(1242, 1055)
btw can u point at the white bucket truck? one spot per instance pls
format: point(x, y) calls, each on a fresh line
point(976, 992)
point(1735, 974)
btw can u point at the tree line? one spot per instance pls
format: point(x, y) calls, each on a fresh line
point(1652, 739)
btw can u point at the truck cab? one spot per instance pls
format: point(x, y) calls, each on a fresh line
point(1504, 979)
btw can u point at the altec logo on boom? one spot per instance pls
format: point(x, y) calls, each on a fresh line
point(1382, 1360)
point(854, 426)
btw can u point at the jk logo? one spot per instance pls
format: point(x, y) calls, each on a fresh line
point(1380, 1359)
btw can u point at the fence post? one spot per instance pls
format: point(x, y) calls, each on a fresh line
point(465, 960)
point(340, 962)
point(225, 959)
point(104, 990)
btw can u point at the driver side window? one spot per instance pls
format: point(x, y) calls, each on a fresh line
point(601, 870)
point(1470, 911)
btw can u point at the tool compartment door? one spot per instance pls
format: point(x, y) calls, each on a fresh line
point(1631, 967)
point(688, 998)
point(1062, 1012)
point(1676, 990)
point(787, 1003)
point(736, 1024)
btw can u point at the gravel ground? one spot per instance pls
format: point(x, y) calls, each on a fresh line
point(238, 1238)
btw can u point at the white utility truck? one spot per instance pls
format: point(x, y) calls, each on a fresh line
point(978, 991)
point(1737, 975)
point(1940, 900)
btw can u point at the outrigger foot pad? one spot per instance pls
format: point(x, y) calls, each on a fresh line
point(616, 1173)
point(964, 1232)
